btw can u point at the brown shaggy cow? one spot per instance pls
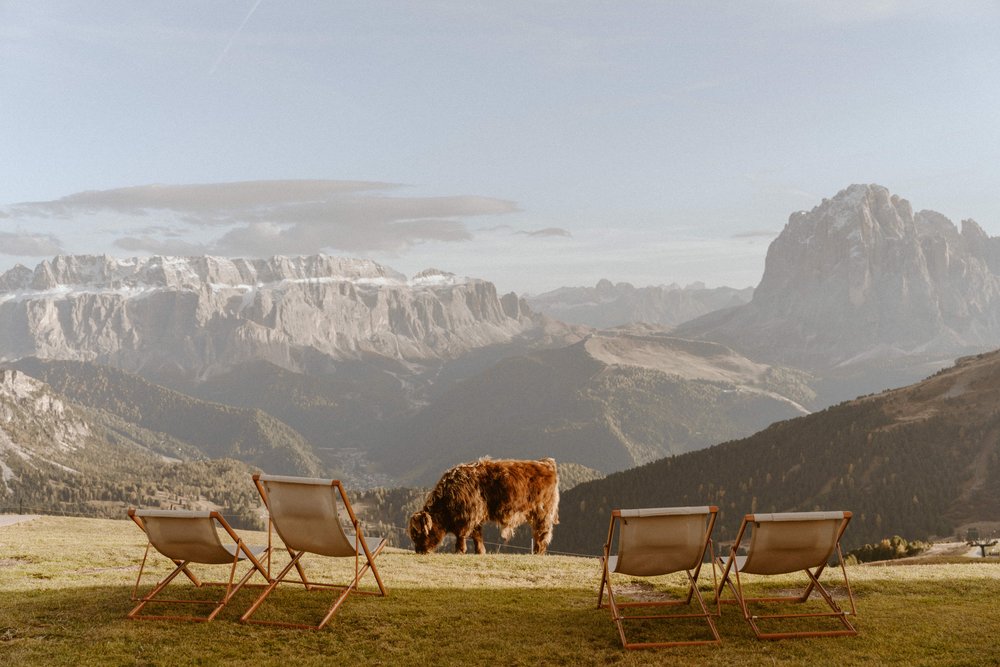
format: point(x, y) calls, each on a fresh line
point(505, 492)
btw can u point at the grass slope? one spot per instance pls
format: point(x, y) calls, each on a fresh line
point(66, 584)
point(219, 431)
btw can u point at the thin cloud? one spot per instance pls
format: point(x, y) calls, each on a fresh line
point(29, 245)
point(755, 233)
point(547, 231)
point(162, 230)
point(203, 200)
point(156, 246)
point(264, 238)
point(496, 228)
point(268, 217)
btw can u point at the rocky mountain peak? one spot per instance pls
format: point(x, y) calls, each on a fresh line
point(861, 274)
point(16, 278)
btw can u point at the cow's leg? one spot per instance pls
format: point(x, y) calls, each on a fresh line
point(541, 532)
point(477, 537)
point(460, 536)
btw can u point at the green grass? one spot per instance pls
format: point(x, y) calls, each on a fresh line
point(65, 586)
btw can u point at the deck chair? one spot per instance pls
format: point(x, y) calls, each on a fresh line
point(187, 537)
point(654, 542)
point(306, 514)
point(783, 544)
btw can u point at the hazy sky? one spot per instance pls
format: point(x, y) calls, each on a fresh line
point(536, 144)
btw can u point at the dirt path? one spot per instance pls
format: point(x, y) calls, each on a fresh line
point(11, 519)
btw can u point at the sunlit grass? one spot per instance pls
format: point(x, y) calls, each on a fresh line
point(65, 586)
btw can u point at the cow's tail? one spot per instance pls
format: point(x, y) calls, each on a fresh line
point(554, 510)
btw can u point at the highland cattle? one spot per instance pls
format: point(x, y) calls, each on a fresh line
point(506, 492)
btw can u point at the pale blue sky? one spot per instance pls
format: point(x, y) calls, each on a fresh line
point(536, 144)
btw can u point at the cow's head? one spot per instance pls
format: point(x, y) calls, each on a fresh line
point(425, 534)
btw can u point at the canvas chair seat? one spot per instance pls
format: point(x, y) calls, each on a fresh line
point(785, 543)
point(187, 537)
point(306, 513)
point(653, 542)
point(373, 543)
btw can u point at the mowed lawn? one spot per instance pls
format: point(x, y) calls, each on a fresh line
point(65, 586)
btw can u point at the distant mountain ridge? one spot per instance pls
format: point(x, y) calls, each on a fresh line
point(617, 399)
point(921, 461)
point(863, 280)
point(206, 314)
point(609, 305)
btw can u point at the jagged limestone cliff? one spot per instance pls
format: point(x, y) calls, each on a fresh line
point(861, 279)
point(203, 314)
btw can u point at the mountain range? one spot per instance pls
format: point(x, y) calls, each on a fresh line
point(612, 401)
point(610, 304)
point(286, 364)
point(203, 315)
point(331, 366)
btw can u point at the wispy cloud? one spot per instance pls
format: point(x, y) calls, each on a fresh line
point(755, 233)
point(28, 245)
point(162, 246)
point(547, 231)
point(203, 201)
point(268, 217)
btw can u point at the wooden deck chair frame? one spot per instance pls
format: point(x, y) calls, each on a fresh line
point(799, 554)
point(685, 535)
point(304, 513)
point(187, 537)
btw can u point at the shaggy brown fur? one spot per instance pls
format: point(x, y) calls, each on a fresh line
point(505, 492)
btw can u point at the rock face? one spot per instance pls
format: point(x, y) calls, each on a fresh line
point(24, 399)
point(37, 429)
point(862, 279)
point(201, 314)
point(610, 305)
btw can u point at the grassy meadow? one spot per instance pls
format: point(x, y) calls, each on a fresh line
point(65, 588)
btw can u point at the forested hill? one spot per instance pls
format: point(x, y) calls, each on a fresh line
point(918, 461)
point(218, 431)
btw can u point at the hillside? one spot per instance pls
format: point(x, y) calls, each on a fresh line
point(217, 431)
point(59, 457)
point(610, 402)
point(920, 461)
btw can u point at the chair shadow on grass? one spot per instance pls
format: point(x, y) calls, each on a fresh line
point(87, 625)
point(438, 625)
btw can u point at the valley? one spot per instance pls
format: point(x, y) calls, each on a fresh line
point(323, 366)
